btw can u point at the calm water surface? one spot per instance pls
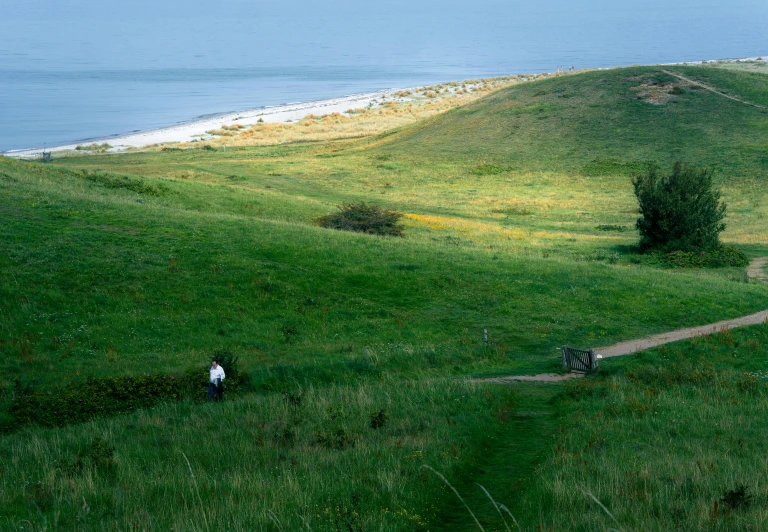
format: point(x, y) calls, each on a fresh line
point(83, 69)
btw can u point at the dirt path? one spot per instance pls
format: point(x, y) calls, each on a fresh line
point(755, 270)
point(712, 89)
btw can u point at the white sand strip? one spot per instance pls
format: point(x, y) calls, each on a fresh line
point(196, 129)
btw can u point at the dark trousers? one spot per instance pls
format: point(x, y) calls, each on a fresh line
point(215, 390)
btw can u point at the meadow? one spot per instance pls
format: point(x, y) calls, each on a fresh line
point(518, 215)
point(666, 440)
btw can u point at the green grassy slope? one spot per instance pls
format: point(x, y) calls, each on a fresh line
point(599, 123)
point(102, 280)
point(596, 128)
point(313, 462)
point(519, 216)
point(534, 168)
point(671, 439)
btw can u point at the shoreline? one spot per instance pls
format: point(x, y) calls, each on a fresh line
point(197, 129)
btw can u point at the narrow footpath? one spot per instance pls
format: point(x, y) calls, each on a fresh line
point(755, 270)
point(712, 89)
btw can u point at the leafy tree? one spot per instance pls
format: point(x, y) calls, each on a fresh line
point(681, 211)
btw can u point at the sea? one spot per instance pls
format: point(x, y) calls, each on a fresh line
point(87, 69)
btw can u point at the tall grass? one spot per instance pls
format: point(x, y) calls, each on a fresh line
point(305, 458)
point(520, 217)
point(677, 443)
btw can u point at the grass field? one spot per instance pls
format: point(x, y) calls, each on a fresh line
point(668, 439)
point(519, 221)
point(310, 458)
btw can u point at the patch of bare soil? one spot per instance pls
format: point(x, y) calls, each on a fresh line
point(756, 269)
point(657, 93)
point(542, 377)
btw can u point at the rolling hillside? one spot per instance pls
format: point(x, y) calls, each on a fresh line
point(519, 221)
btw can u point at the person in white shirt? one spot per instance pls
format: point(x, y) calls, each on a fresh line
point(215, 386)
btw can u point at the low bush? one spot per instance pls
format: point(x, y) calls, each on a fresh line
point(91, 398)
point(490, 169)
point(94, 147)
point(717, 258)
point(611, 227)
point(140, 186)
point(364, 218)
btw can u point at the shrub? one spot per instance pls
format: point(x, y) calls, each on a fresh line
point(85, 400)
point(94, 147)
point(119, 182)
point(363, 218)
point(681, 211)
point(611, 227)
point(723, 256)
point(91, 398)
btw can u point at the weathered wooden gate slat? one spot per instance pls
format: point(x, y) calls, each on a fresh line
point(579, 359)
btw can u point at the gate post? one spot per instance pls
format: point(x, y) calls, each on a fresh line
point(564, 351)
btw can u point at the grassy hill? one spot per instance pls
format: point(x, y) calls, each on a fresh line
point(111, 275)
point(519, 220)
point(534, 168)
point(622, 118)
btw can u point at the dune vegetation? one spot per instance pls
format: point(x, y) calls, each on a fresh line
point(356, 350)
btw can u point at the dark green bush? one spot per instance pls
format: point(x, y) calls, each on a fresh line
point(611, 227)
point(113, 181)
point(91, 398)
point(717, 258)
point(681, 211)
point(363, 218)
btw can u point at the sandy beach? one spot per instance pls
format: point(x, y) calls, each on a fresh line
point(196, 129)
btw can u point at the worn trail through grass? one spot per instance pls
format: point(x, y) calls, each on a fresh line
point(755, 270)
point(712, 89)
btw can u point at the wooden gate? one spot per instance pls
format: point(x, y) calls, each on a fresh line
point(579, 359)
